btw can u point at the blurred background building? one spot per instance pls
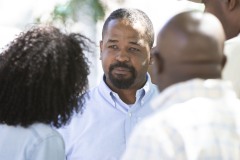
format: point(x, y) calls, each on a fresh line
point(84, 16)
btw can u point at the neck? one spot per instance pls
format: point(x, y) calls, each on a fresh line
point(127, 95)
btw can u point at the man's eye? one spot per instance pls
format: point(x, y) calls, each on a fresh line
point(113, 46)
point(134, 49)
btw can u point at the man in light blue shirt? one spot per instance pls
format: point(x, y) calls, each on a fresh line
point(114, 107)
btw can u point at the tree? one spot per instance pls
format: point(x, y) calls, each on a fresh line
point(71, 10)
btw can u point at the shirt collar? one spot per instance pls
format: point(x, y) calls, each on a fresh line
point(106, 91)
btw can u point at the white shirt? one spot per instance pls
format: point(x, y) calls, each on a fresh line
point(230, 71)
point(102, 131)
point(36, 142)
point(194, 120)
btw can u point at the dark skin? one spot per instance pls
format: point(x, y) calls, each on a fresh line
point(228, 12)
point(189, 47)
point(126, 43)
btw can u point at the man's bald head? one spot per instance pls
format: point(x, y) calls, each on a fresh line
point(189, 46)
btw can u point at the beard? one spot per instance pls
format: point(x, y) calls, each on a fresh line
point(119, 81)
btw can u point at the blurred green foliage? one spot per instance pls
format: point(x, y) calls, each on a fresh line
point(72, 9)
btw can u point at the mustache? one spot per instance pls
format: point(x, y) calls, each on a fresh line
point(123, 65)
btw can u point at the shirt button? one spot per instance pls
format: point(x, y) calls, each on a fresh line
point(129, 114)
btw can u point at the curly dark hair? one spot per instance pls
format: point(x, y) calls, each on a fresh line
point(43, 77)
point(133, 16)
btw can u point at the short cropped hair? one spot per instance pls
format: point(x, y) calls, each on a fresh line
point(43, 77)
point(133, 16)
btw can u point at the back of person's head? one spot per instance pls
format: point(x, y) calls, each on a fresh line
point(188, 47)
point(133, 16)
point(43, 73)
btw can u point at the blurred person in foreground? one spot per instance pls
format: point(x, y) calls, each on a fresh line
point(197, 115)
point(228, 12)
point(42, 73)
point(120, 100)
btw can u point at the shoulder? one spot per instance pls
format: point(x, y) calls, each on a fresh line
point(192, 112)
point(93, 94)
point(44, 135)
point(48, 143)
point(43, 131)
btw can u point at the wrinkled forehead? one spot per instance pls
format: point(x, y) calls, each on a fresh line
point(126, 23)
point(125, 28)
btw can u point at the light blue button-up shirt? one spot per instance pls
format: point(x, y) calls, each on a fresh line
point(36, 142)
point(102, 131)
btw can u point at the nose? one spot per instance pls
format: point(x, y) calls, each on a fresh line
point(122, 56)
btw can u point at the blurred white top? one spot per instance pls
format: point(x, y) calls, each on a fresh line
point(230, 71)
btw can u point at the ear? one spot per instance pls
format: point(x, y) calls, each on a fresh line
point(101, 48)
point(151, 60)
point(224, 60)
point(231, 4)
point(158, 62)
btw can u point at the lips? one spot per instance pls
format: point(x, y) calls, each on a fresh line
point(121, 70)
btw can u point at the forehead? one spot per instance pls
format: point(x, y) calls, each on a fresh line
point(124, 27)
point(197, 1)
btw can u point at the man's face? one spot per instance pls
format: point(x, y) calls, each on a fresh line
point(214, 6)
point(220, 9)
point(125, 54)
